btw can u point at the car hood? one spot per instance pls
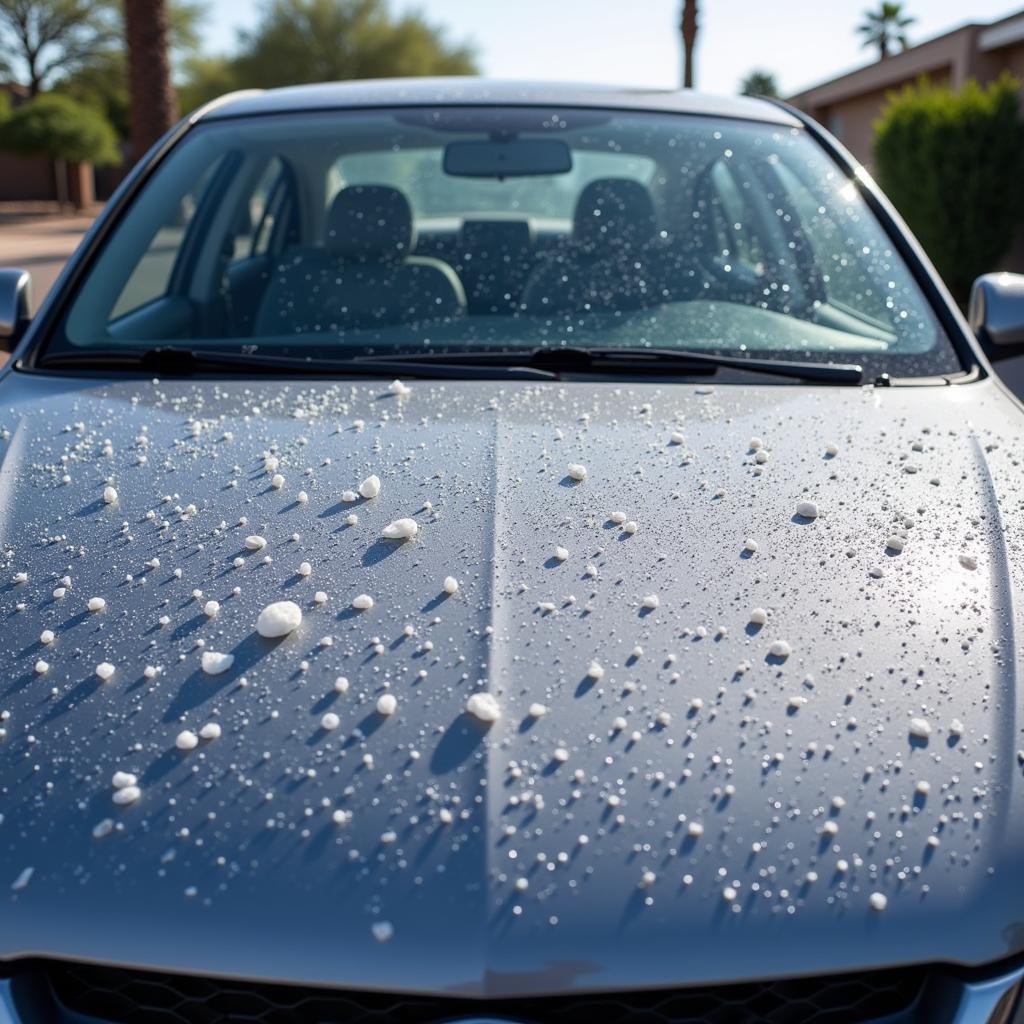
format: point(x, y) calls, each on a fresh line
point(684, 807)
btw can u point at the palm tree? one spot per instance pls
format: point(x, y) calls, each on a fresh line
point(153, 102)
point(688, 26)
point(884, 27)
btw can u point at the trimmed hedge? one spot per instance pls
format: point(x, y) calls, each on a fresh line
point(58, 127)
point(953, 165)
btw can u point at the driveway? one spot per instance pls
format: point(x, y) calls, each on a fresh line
point(40, 245)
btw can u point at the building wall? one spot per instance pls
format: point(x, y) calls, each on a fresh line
point(26, 178)
point(852, 120)
point(849, 106)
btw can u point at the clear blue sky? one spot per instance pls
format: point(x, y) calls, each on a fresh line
point(802, 41)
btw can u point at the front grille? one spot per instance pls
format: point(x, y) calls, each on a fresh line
point(135, 997)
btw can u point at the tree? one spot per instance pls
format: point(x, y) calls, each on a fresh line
point(297, 41)
point(952, 162)
point(63, 130)
point(760, 83)
point(42, 40)
point(102, 83)
point(688, 27)
point(154, 106)
point(58, 127)
point(884, 27)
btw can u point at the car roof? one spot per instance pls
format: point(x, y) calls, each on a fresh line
point(429, 92)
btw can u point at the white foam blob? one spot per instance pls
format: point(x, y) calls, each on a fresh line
point(920, 728)
point(484, 707)
point(127, 795)
point(279, 619)
point(401, 529)
point(186, 740)
point(370, 487)
point(214, 662)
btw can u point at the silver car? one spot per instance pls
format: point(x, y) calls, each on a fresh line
point(497, 551)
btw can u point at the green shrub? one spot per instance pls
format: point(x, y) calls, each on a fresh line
point(59, 127)
point(953, 164)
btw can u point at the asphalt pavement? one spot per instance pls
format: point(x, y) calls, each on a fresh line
point(40, 245)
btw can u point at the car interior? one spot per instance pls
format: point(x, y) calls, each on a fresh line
point(367, 246)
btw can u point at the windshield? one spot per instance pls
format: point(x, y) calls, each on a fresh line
point(392, 232)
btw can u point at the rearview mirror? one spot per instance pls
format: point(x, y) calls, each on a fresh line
point(996, 314)
point(15, 306)
point(507, 158)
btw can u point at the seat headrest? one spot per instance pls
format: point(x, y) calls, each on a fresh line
point(613, 211)
point(369, 222)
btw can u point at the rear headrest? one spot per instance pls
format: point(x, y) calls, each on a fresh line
point(613, 211)
point(369, 222)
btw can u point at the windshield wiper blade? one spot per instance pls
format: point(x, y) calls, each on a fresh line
point(179, 361)
point(652, 361)
point(528, 364)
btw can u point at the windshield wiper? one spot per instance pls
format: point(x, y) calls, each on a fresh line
point(536, 363)
point(176, 362)
point(645, 361)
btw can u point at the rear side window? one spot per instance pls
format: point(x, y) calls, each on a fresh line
point(733, 221)
point(266, 207)
point(845, 275)
point(151, 276)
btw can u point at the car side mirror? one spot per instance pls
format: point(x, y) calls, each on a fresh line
point(996, 314)
point(15, 306)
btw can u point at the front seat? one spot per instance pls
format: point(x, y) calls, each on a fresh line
point(363, 277)
point(611, 262)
